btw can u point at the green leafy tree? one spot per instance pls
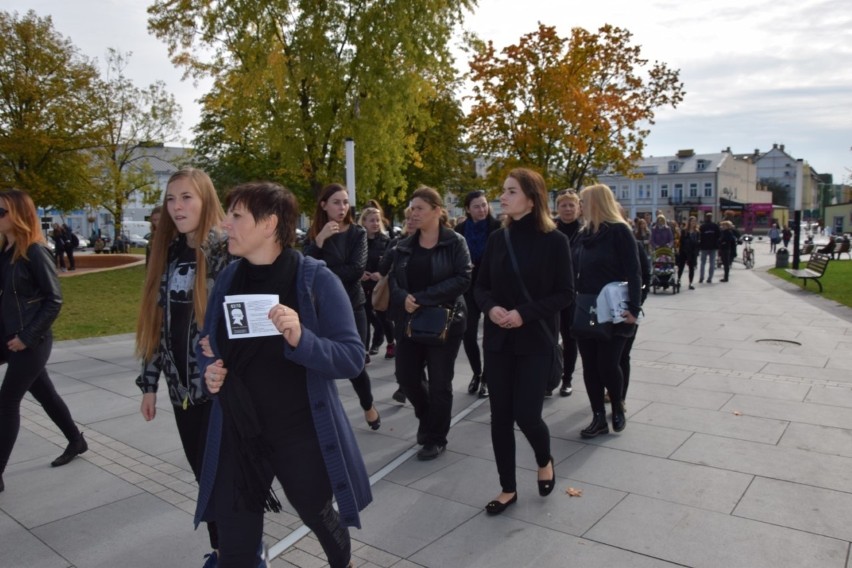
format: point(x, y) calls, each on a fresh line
point(136, 121)
point(293, 80)
point(566, 106)
point(47, 122)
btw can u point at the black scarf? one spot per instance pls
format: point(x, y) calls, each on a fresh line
point(240, 418)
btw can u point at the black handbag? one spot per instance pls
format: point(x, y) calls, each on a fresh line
point(586, 324)
point(429, 325)
point(557, 364)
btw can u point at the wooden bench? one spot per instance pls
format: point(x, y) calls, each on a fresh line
point(842, 249)
point(808, 249)
point(814, 270)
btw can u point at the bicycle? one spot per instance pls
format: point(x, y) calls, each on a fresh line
point(748, 252)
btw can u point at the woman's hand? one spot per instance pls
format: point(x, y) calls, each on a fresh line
point(204, 342)
point(365, 277)
point(628, 317)
point(215, 375)
point(375, 276)
point(286, 321)
point(149, 406)
point(505, 318)
point(411, 304)
point(331, 228)
point(15, 344)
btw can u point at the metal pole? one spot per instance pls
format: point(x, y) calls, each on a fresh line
point(350, 170)
point(797, 231)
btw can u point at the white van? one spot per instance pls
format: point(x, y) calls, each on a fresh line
point(140, 228)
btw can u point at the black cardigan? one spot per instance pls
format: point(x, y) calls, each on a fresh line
point(609, 255)
point(545, 262)
point(346, 255)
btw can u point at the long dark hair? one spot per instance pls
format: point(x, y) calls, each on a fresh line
point(321, 217)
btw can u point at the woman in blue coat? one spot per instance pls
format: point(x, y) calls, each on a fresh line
point(276, 410)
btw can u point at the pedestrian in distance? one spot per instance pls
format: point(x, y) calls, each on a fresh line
point(476, 229)
point(58, 235)
point(728, 239)
point(276, 411)
point(188, 250)
point(336, 238)
point(568, 217)
point(380, 327)
point(687, 254)
point(606, 253)
point(708, 244)
point(30, 301)
point(431, 269)
point(522, 288)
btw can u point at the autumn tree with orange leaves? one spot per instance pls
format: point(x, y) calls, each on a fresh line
point(568, 107)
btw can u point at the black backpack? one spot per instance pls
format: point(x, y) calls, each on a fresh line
point(75, 240)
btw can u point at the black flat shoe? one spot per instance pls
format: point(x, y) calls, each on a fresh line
point(430, 452)
point(495, 507)
point(399, 396)
point(377, 423)
point(473, 386)
point(546, 486)
point(597, 427)
point(2, 485)
point(73, 450)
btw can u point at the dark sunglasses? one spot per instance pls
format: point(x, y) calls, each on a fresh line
point(3, 212)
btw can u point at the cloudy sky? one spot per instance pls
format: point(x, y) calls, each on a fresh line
point(755, 72)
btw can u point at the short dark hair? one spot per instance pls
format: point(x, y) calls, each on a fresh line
point(265, 198)
point(468, 199)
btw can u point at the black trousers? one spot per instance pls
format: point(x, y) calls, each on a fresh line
point(625, 364)
point(602, 369)
point(470, 339)
point(433, 402)
point(682, 262)
point(25, 371)
point(569, 346)
point(380, 326)
point(192, 429)
point(517, 384)
point(69, 252)
point(727, 257)
point(297, 462)
point(361, 383)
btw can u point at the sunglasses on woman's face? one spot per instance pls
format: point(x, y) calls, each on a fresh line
point(3, 212)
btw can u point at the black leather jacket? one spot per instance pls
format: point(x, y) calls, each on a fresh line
point(451, 277)
point(345, 255)
point(31, 297)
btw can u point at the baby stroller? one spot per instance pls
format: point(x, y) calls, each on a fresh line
point(664, 270)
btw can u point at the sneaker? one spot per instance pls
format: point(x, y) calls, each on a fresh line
point(212, 560)
point(548, 393)
point(399, 396)
point(709, 281)
point(390, 351)
point(701, 281)
point(691, 287)
point(374, 350)
point(430, 452)
point(566, 390)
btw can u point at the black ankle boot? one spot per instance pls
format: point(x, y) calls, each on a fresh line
point(619, 421)
point(598, 426)
point(73, 450)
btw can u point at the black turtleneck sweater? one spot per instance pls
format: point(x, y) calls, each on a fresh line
point(545, 263)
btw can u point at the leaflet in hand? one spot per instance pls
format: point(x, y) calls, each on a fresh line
point(247, 315)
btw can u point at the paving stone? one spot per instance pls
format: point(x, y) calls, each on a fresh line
point(807, 413)
point(696, 537)
point(713, 422)
point(756, 387)
point(798, 506)
point(790, 464)
point(688, 484)
point(822, 439)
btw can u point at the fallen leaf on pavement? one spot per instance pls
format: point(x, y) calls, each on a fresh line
point(571, 492)
point(737, 413)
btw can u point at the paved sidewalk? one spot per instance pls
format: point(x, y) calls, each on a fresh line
point(737, 452)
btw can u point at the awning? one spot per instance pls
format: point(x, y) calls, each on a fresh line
point(729, 204)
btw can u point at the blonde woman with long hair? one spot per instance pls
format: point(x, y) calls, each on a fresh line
point(606, 253)
point(30, 300)
point(187, 253)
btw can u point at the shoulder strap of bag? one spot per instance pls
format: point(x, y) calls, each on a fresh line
point(521, 280)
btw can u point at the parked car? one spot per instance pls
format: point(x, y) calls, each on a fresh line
point(136, 241)
point(84, 242)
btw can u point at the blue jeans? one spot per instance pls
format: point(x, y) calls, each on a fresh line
point(704, 255)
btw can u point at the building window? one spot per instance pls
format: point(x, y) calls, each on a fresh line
point(678, 192)
point(701, 165)
point(708, 189)
point(625, 192)
point(693, 190)
point(664, 190)
point(674, 166)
